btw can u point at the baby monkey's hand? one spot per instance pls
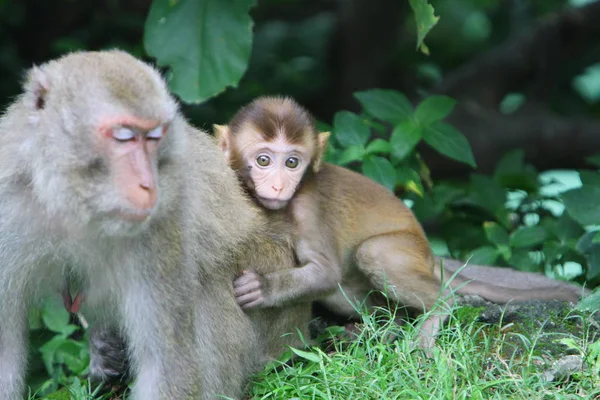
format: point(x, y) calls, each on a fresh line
point(248, 290)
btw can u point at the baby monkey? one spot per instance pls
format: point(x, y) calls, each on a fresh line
point(348, 229)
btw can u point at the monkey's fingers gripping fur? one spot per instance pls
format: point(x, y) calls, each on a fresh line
point(248, 290)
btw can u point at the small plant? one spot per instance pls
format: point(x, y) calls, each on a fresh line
point(358, 140)
point(63, 353)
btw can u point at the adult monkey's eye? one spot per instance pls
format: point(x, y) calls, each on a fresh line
point(123, 134)
point(156, 133)
point(263, 160)
point(292, 162)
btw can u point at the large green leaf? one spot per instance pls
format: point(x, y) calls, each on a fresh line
point(484, 255)
point(380, 170)
point(425, 20)
point(206, 43)
point(350, 130)
point(434, 109)
point(379, 146)
point(450, 142)
point(528, 236)
point(567, 229)
point(582, 204)
point(404, 138)
point(385, 104)
point(522, 260)
point(350, 154)
point(495, 233)
point(56, 317)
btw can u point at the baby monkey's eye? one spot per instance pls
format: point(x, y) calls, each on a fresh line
point(292, 162)
point(263, 160)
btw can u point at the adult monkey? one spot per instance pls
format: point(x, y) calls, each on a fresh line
point(349, 229)
point(269, 249)
point(98, 170)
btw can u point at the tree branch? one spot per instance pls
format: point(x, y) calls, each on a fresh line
point(530, 60)
point(549, 140)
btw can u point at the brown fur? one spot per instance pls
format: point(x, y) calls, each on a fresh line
point(271, 116)
point(353, 232)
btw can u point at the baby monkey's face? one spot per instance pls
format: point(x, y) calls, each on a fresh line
point(275, 167)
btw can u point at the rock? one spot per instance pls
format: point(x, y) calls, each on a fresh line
point(563, 368)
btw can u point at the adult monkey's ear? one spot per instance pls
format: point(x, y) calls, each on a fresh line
point(322, 142)
point(223, 139)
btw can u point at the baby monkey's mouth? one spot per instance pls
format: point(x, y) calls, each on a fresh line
point(272, 204)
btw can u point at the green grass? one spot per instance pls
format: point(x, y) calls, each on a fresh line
point(470, 361)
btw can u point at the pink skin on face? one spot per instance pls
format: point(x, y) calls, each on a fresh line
point(131, 144)
point(277, 168)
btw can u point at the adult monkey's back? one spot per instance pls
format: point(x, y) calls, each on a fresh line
point(99, 171)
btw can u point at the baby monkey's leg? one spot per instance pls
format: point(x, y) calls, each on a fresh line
point(402, 264)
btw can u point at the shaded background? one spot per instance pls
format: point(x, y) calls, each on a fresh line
point(524, 72)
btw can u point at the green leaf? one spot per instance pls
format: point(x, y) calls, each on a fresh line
point(385, 104)
point(404, 138)
point(379, 146)
point(582, 204)
point(350, 130)
point(410, 180)
point(450, 142)
point(352, 153)
point(425, 20)
point(590, 303)
point(434, 109)
point(206, 43)
point(487, 194)
point(380, 170)
point(594, 160)
point(528, 236)
point(512, 172)
point(316, 358)
point(55, 317)
point(588, 84)
point(511, 103)
point(511, 163)
point(591, 250)
point(70, 353)
point(485, 255)
point(552, 251)
point(589, 178)
point(48, 351)
point(567, 229)
point(522, 260)
point(586, 241)
point(495, 233)
point(593, 259)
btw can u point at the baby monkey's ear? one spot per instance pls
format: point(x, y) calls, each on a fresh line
point(223, 139)
point(322, 141)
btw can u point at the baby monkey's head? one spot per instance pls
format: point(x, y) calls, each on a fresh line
point(272, 143)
